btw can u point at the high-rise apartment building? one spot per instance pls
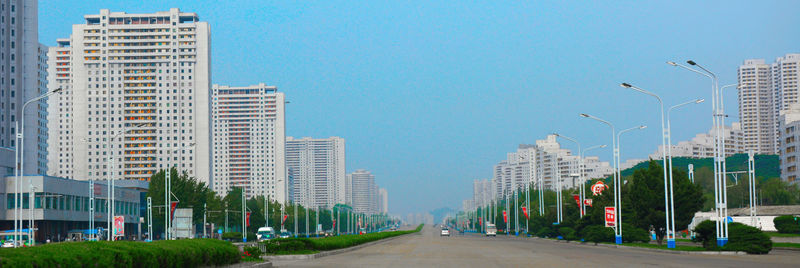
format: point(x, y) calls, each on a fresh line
point(137, 94)
point(22, 78)
point(383, 201)
point(363, 193)
point(702, 145)
point(766, 90)
point(248, 140)
point(318, 171)
point(790, 143)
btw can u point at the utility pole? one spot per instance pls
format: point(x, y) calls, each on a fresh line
point(205, 212)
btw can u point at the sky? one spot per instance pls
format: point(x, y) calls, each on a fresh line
point(429, 95)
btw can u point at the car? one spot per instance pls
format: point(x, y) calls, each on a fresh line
point(285, 234)
point(445, 232)
point(265, 233)
point(393, 228)
point(362, 231)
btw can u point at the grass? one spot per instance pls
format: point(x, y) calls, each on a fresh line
point(786, 245)
point(664, 246)
point(774, 234)
point(294, 246)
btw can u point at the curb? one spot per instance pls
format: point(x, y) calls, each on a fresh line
point(678, 252)
point(330, 252)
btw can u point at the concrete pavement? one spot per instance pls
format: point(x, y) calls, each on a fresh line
point(428, 249)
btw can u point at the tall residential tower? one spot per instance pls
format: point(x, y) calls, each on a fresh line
point(317, 168)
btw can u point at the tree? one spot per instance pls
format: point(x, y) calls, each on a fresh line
point(644, 198)
point(190, 193)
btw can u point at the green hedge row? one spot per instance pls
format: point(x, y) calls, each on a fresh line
point(289, 245)
point(787, 224)
point(173, 253)
point(740, 238)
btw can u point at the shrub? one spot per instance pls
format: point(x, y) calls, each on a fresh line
point(740, 238)
point(545, 232)
point(567, 233)
point(631, 233)
point(171, 253)
point(289, 245)
point(598, 233)
point(787, 224)
point(252, 252)
point(748, 239)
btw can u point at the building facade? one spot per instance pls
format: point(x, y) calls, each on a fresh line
point(363, 192)
point(22, 72)
point(318, 171)
point(790, 141)
point(765, 90)
point(137, 96)
point(248, 138)
point(702, 145)
point(383, 201)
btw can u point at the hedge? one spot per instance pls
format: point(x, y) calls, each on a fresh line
point(289, 245)
point(787, 224)
point(740, 238)
point(172, 253)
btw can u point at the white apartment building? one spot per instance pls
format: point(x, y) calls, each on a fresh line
point(137, 91)
point(546, 163)
point(482, 192)
point(702, 145)
point(318, 172)
point(364, 194)
point(22, 77)
point(383, 201)
point(766, 90)
point(248, 140)
point(790, 141)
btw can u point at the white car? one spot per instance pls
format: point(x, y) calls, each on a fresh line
point(445, 232)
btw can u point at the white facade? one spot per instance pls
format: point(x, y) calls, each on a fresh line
point(21, 79)
point(383, 201)
point(482, 192)
point(248, 127)
point(789, 143)
point(318, 172)
point(364, 193)
point(702, 145)
point(766, 90)
point(144, 77)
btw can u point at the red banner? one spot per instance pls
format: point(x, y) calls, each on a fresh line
point(334, 225)
point(611, 217)
point(598, 188)
point(525, 211)
point(480, 221)
point(505, 217)
point(284, 219)
point(587, 202)
point(577, 199)
point(172, 208)
point(248, 219)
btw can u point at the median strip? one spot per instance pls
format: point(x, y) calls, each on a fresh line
point(309, 248)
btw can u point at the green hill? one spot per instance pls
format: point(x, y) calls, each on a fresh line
point(767, 166)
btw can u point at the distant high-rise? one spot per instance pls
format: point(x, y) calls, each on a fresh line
point(22, 78)
point(765, 91)
point(137, 86)
point(363, 193)
point(317, 167)
point(383, 200)
point(248, 140)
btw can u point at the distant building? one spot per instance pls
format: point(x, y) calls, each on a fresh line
point(364, 194)
point(318, 171)
point(383, 198)
point(702, 145)
point(248, 137)
point(789, 143)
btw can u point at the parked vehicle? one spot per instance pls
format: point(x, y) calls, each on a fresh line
point(285, 234)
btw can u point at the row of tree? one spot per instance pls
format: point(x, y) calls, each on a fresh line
point(225, 211)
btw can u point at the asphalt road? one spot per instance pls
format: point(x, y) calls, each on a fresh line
point(428, 249)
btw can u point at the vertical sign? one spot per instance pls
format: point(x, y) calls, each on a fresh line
point(505, 217)
point(611, 217)
point(172, 207)
point(525, 211)
point(119, 226)
point(248, 219)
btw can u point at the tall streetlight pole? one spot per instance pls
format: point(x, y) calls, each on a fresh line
point(580, 173)
point(20, 167)
point(670, 226)
point(720, 183)
point(582, 191)
point(669, 155)
point(110, 180)
point(617, 188)
point(168, 191)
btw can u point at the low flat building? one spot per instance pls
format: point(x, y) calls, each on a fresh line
point(61, 205)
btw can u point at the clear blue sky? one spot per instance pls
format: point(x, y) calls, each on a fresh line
point(430, 94)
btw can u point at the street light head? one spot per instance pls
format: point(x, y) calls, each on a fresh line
point(626, 85)
point(672, 63)
point(699, 100)
point(57, 90)
point(691, 62)
point(642, 127)
point(585, 115)
point(603, 146)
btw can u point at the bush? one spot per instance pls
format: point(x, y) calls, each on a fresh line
point(237, 236)
point(170, 253)
point(787, 224)
point(252, 252)
point(631, 233)
point(567, 233)
point(546, 232)
point(740, 238)
point(598, 233)
point(289, 245)
point(748, 239)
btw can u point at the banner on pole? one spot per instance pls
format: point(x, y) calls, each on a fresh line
point(248, 219)
point(334, 225)
point(587, 202)
point(480, 221)
point(284, 218)
point(611, 217)
point(505, 217)
point(172, 207)
point(119, 226)
point(577, 199)
point(525, 211)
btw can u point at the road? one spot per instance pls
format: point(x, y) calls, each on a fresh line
point(428, 249)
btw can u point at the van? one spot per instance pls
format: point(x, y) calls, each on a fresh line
point(491, 229)
point(265, 233)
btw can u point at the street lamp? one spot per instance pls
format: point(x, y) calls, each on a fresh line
point(20, 166)
point(617, 188)
point(168, 190)
point(669, 154)
point(582, 191)
point(110, 179)
point(670, 225)
point(718, 124)
point(580, 176)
